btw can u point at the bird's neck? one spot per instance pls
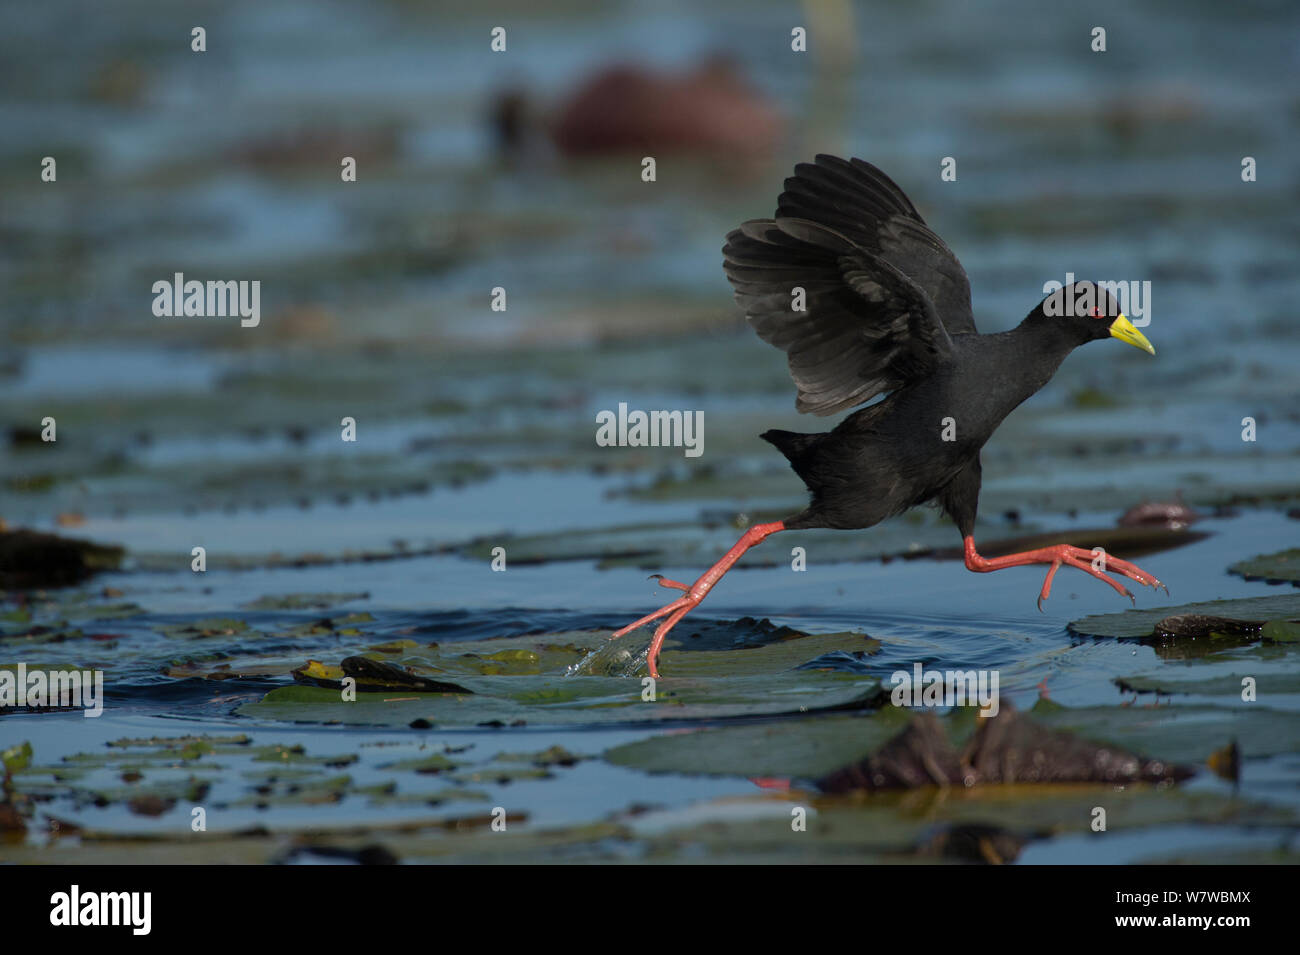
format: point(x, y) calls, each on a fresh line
point(1040, 344)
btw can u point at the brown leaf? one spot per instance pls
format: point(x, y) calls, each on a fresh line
point(1007, 748)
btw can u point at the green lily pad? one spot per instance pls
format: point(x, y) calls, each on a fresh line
point(797, 749)
point(202, 629)
point(181, 742)
point(1187, 734)
point(1273, 667)
point(371, 676)
point(902, 826)
point(813, 748)
point(1141, 624)
point(16, 757)
point(297, 792)
point(424, 764)
point(554, 756)
point(438, 797)
point(549, 700)
point(297, 755)
point(1282, 567)
point(1226, 855)
point(303, 601)
point(1210, 686)
point(684, 652)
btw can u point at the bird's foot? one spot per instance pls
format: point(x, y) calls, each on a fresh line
point(673, 612)
point(693, 594)
point(1096, 563)
point(1092, 562)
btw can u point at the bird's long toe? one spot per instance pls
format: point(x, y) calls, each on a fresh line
point(1134, 572)
point(674, 613)
point(1046, 590)
point(669, 583)
point(656, 644)
point(662, 611)
point(1086, 567)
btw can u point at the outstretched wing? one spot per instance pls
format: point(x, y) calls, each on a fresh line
point(873, 277)
point(864, 205)
point(864, 327)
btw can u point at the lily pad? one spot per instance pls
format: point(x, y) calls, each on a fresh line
point(1141, 624)
point(737, 647)
point(813, 748)
point(1185, 734)
point(202, 629)
point(910, 825)
point(16, 757)
point(1271, 668)
point(796, 749)
point(1282, 567)
point(303, 601)
point(578, 700)
point(371, 676)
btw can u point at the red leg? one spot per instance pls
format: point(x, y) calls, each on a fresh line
point(695, 593)
point(1057, 555)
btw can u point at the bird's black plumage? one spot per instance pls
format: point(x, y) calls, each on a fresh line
point(887, 312)
point(868, 303)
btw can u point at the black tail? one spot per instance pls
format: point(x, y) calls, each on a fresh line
point(795, 446)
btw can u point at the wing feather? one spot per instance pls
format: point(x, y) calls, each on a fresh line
point(882, 294)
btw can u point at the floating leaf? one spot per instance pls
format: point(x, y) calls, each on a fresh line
point(203, 629)
point(1142, 623)
point(428, 765)
point(371, 676)
point(801, 749)
point(303, 601)
point(16, 757)
point(555, 756)
point(1282, 567)
point(577, 700)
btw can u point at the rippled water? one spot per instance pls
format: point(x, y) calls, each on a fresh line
point(476, 428)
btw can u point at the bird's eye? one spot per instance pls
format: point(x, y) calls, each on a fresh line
point(1098, 313)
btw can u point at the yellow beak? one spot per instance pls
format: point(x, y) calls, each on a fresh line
point(1123, 329)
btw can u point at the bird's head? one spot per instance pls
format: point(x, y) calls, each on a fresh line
point(1088, 311)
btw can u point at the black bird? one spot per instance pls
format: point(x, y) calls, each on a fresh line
point(865, 300)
